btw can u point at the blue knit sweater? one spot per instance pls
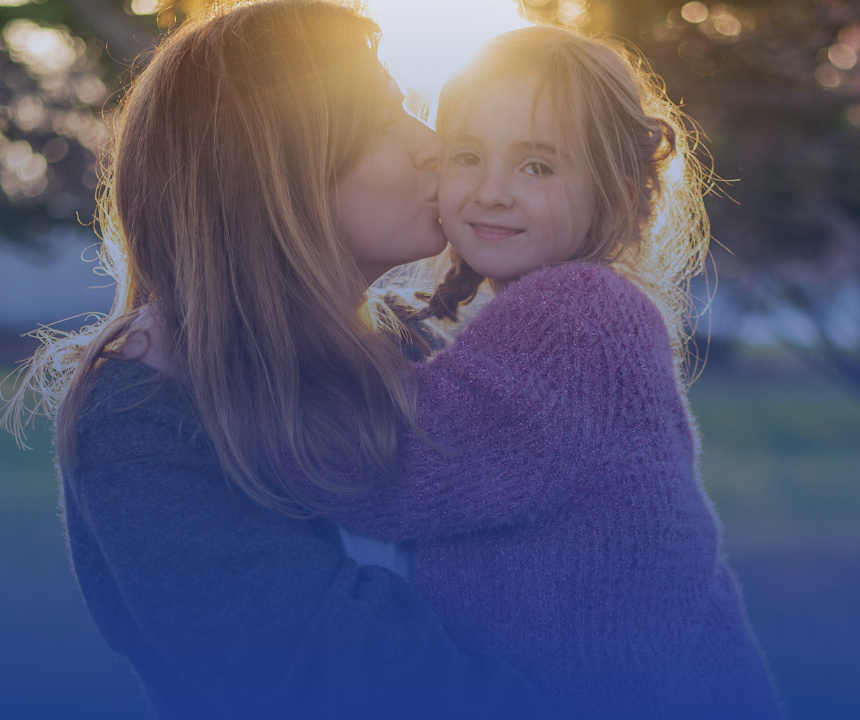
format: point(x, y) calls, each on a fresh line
point(229, 611)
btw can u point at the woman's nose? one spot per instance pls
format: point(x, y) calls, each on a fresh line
point(428, 147)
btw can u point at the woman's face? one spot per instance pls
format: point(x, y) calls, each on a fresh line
point(387, 210)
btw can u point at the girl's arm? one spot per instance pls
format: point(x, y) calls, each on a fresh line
point(523, 403)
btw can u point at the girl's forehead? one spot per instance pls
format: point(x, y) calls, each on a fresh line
point(521, 105)
point(517, 90)
point(517, 109)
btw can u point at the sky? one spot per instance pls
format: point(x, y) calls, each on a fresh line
point(425, 42)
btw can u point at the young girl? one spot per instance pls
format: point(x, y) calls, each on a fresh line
point(555, 501)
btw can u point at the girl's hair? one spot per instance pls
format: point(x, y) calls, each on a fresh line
point(649, 214)
point(215, 204)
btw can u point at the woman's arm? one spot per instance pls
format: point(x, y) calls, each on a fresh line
point(251, 613)
point(524, 402)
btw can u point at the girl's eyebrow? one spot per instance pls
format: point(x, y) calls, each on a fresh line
point(527, 145)
point(541, 146)
point(467, 139)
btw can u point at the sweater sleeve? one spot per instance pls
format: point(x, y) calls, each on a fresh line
point(223, 606)
point(520, 405)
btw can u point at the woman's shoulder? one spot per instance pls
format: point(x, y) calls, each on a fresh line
point(129, 409)
point(119, 386)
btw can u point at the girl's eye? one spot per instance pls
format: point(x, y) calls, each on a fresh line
point(538, 169)
point(469, 159)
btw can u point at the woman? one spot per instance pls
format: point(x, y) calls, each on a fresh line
point(263, 175)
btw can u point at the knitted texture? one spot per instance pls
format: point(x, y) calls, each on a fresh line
point(558, 511)
point(229, 611)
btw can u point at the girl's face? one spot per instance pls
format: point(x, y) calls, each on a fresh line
point(512, 197)
point(387, 204)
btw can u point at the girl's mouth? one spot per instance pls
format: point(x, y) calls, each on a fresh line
point(494, 232)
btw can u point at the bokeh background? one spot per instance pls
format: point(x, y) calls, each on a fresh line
point(774, 86)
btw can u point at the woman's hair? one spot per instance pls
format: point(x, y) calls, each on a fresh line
point(649, 215)
point(215, 205)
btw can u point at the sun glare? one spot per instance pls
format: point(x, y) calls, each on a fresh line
point(424, 42)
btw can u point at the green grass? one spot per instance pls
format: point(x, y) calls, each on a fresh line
point(781, 460)
point(53, 662)
point(781, 451)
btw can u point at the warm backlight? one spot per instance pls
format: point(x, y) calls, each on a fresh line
point(427, 40)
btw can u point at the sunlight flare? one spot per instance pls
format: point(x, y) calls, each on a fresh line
point(425, 42)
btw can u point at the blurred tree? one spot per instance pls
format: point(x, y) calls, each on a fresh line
point(775, 86)
point(61, 65)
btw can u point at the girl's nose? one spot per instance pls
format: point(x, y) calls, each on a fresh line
point(493, 193)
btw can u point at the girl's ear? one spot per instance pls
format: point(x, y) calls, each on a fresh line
point(632, 190)
point(639, 202)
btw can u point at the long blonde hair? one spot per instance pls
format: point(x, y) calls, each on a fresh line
point(649, 221)
point(215, 204)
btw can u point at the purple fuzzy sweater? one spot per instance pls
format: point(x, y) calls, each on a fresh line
point(564, 526)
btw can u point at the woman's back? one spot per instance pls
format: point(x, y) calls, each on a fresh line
point(227, 609)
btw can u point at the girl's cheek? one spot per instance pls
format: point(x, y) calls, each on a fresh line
point(453, 190)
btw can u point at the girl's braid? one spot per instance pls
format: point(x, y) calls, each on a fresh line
point(459, 287)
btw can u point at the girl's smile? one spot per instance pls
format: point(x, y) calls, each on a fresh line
point(489, 231)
